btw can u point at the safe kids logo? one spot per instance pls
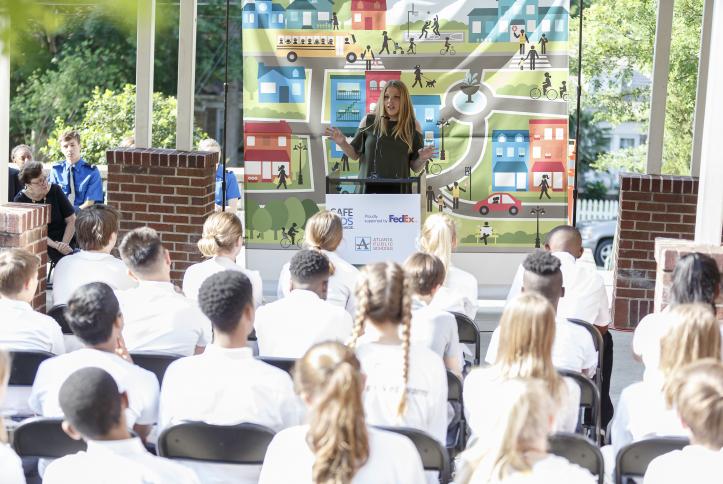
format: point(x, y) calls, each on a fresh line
point(401, 219)
point(346, 215)
point(363, 244)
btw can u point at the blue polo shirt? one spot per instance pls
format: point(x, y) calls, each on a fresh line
point(232, 189)
point(88, 183)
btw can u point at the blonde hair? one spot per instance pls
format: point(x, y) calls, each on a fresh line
point(17, 267)
point(221, 232)
point(527, 333)
point(324, 231)
point(439, 236)
point(406, 121)
point(383, 295)
point(4, 377)
point(694, 334)
point(698, 399)
point(209, 144)
point(521, 425)
point(329, 375)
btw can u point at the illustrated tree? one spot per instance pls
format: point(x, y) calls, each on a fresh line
point(250, 208)
point(279, 215)
point(310, 208)
point(262, 221)
point(296, 212)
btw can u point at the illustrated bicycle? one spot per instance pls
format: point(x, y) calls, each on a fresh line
point(286, 240)
point(451, 51)
point(433, 168)
point(551, 94)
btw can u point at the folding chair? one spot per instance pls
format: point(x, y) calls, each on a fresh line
point(457, 428)
point(633, 459)
point(156, 363)
point(589, 404)
point(468, 334)
point(579, 450)
point(44, 437)
point(243, 444)
point(286, 364)
point(597, 341)
point(434, 456)
point(58, 314)
point(25, 366)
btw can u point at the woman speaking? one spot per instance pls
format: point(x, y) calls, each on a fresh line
point(388, 142)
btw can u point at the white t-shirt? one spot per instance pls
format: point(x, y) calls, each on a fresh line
point(694, 463)
point(73, 271)
point(22, 329)
point(197, 273)
point(460, 294)
point(227, 386)
point(141, 385)
point(435, 329)
point(158, 319)
point(11, 467)
point(342, 283)
point(550, 469)
point(585, 294)
point(117, 462)
point(481, 383)
point(426, 389)
point(288, 327)
point(573, 348)
point(393, 459)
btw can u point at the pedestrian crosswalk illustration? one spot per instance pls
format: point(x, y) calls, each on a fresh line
point(518, 62)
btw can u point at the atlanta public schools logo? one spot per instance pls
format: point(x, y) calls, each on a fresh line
point(363, 244)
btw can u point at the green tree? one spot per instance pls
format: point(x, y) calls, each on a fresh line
point(250, 208)
point(279, 215)
point(296, 211)
point(310, 208)
point(262, 221)
point(593, 139)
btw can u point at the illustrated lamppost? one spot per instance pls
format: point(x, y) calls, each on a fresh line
point(537, 211)
point(300, 147)
point(442, 123)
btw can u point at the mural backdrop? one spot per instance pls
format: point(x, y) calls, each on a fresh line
point(488, 80)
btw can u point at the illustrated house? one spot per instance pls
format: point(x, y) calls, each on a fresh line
point(501, 20)
point(510, 156)
point(426, 110)
point(481, 24)
point(309, 14)
point(263, 14)
point(368, 14)
point(548, 152)
point(375, 81)
point(267, 147)
point(281, 84)
point(348, 106)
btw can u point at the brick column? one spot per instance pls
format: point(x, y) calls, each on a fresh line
point(667, 254)
point(25, 226)
point(170, 191)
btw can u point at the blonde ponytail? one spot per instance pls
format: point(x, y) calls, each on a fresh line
point(439, 237)
point(221, 233)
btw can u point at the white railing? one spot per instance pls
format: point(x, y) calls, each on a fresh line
point(597, 209)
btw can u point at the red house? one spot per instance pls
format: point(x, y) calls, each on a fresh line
point(263, 165)
point(369, 14)
point(375, 81)
point(548, 153)
point(267, 147)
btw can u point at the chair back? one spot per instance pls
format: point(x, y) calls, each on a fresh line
point(286, 364)
point(469, 333)
point(434, 456)
point(24, 366)
point(156, 363)
point(457, 427)
point(244, 443)
point(633, 459)
point(590, 415)
point(579, 450)
point(597, 341)
point(44, 437)
point(58, 314)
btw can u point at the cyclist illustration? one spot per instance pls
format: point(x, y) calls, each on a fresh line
point(448, 48)
point(563, 90)
point(546, 84)
point(288, 239)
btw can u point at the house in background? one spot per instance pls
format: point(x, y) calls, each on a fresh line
point(309, 14)
point(368, 14)
point(267, 146)
point(348, 104)
point(510, 156)
point(481, 24)
point(501, 20)
point(426, 110)
point(281, 84)
point(548, 152)
point(263, 14)
point(375, 82)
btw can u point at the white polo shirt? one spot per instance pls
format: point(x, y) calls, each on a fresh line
point(585, 294)
point(288, 327)
point(159, 319)
point(550, 469)
point(75, 270)
point(342, 283)
point(23, 329)
point(11, 467)
point(458, 293)
point(393, 459)
point(197, 273)
point(693, 463)
point(141, 385)
point(573, 348)
point(426, 389)
point(117, 461)
point(435, 329)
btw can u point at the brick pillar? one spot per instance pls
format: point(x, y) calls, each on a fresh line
point(170, 191)
point(667, 254)
point(25, 226)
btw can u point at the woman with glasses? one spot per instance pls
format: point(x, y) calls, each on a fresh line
point(38, 189)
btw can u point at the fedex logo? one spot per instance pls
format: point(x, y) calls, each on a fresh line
point(401, 219)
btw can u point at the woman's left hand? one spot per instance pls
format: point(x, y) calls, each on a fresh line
point(427, 152)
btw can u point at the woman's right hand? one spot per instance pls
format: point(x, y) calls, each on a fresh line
point(336, 135)
point(63, 248)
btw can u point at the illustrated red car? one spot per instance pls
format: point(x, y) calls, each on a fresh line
point(499, 202)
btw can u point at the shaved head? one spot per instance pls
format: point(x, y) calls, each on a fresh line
point(564, 238)
point(543, 276)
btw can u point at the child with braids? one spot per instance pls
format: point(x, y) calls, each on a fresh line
point(406, 383)
point(337, 447)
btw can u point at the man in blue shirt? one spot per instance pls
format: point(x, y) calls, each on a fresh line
point(80, 181)
point(233, 193)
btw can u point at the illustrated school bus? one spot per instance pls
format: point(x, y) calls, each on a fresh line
point(303, 44)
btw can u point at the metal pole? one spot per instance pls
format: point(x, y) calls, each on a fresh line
point(577, 121)
point(225, 113)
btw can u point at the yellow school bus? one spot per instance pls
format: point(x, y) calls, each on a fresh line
point(307, 44)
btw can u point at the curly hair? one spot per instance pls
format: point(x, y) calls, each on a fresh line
point(541, 263)
point(308, 265)
point(223, 298)
point(92, 310)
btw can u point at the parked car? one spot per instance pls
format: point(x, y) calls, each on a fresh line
point(598, 236)
point(499, 202)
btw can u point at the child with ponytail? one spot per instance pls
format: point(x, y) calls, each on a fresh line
point(406, 383)
point(337, 447)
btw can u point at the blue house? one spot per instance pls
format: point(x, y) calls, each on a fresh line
point(309, 14)
point(481, 24)
point(281, 84)
point(426, 110)
point(554, 23)
point(510, 159)
point(263, 14)
point(348, 104)
point(502, 23)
